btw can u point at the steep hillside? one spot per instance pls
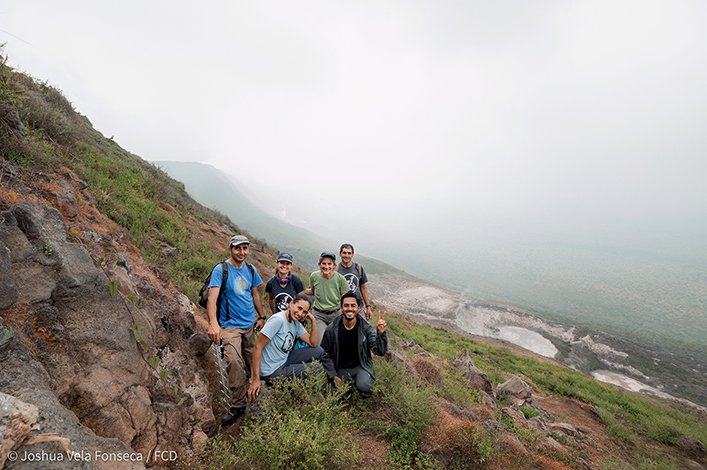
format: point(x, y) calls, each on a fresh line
point(215, 190)
point(101, 353)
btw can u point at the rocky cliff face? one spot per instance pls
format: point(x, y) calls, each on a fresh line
point(91, 336)
point(94, 336)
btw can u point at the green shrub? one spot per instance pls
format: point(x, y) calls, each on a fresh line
point(663, 430)
point(399, 400)
point(612, 425)
point(40, 114)
point(113, 286)
point(660, 463)
point(17, 155)
point(485, 444)
point(455, 388)
point(221, 453)
point(529, 412)
point(301, 427)
point(8, 93)
point(405, 451)
point(400, 409)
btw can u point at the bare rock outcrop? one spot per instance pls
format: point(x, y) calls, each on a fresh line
point(105, 344)
point(548, 445)
point(514, 388)
point(44, 226)
point(8, 289)
point(12, 132)
point(563, 428)
point(16, 420)
point(694, 448)
point(27, 380)
point(63, 198)
point(516, 417)
point(474, 376)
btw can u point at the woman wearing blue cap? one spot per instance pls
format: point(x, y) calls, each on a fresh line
point(283, 287)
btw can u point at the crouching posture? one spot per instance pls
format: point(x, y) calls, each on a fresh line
point(274, 355)
point(348, 343)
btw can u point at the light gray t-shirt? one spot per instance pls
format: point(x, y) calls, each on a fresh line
point(351, 275)
point(282, 335)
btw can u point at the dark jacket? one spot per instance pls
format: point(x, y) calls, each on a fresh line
point(369, 341)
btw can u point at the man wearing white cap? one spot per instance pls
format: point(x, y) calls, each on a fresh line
point(232, 318)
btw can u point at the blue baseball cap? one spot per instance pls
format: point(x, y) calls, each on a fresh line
point(285, 257)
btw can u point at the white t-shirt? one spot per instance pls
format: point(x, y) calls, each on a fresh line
point(282, 335)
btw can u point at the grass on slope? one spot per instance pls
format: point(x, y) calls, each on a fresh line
point(302, 426)
point(624, 414)
point(154, 209)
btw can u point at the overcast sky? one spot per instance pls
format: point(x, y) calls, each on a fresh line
point(559, 113)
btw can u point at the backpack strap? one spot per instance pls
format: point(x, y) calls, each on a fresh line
point(224, 275)
point(222, 292)
point(359, 270)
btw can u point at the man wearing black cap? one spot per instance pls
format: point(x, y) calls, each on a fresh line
point(232, 318)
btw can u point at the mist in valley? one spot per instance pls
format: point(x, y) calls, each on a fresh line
point(549, 155)
point(645, 280)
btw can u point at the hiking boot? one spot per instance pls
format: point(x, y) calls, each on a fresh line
point(231, 416)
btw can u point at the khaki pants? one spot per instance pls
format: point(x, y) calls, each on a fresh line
point(238, 345)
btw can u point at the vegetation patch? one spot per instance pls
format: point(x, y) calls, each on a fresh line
point(529, 412)
point(624, 414)
point(302, 426)
point(456, 389)
point(401, 410)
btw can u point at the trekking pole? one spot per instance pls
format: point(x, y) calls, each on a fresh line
point(225, 390)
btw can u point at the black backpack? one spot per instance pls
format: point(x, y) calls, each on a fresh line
point(204, 292)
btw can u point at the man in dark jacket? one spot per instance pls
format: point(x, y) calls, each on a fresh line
point(348, 343)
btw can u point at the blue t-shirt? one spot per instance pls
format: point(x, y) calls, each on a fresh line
point(238, 298)
point(282, 335)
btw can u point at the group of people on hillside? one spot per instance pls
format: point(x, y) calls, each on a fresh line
point(336, 305)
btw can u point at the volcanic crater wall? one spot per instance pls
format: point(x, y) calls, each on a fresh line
point(94, 339)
